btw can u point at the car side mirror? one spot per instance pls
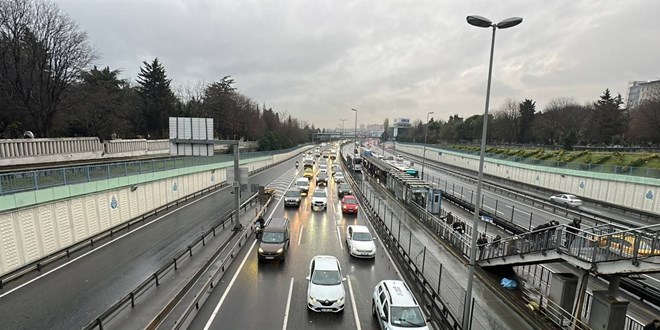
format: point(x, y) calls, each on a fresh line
point(307, 278)
point(428, 319)
point(383, 317)
point(343, 279)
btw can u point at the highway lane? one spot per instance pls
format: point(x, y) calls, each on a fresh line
point(74, 294)
point(260, 295)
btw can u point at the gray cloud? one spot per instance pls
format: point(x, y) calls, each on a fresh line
point(317, 59)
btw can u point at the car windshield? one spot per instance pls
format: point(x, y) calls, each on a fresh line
point(361, 237)
point(319, 193)
point(270, 237)
point(350, 201)
point(339, 174)
point(326, 277)
point(302, 183)
point(344, 187)
point(292, 193)
point(407, 317)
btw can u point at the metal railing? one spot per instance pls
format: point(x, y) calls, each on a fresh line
point(154, 279)
point(39, 179)
point(599, 168)
point(593, 245)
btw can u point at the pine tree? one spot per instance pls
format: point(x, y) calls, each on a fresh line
point(527, 113)
point(158, 100)
point(608, 118)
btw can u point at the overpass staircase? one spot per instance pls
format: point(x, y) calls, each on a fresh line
point(601, 250)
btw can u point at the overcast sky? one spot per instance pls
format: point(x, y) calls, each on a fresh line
point(317, 59)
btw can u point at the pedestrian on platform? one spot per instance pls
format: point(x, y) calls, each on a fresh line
point(481, 244)
point(572, 231)
point(655, 325)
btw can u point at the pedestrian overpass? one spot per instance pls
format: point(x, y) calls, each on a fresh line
point(600, 250)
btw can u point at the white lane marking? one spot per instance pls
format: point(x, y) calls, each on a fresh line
point(300, 235)
point(341, 246)
point(355, 312)
point(224, 295)
point(288, 305)
point(233, 279)
point(102, 246)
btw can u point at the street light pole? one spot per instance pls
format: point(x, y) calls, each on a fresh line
point(426, 130)
point(484, 23)
point(356, 144)
point(342, 128)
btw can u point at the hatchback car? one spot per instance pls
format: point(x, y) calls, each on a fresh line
point(320, 199)
point(360, 242)
point(339, 177)
point(309, 173)
point(349, 204)
point(325, 289)
point(292, 197)
point(303, 185)
point(566, 200)
point(344, 189)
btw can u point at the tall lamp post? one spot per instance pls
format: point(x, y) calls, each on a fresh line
point(482, 22)
point(426, 131)
point(356, 144)
point(342, 128)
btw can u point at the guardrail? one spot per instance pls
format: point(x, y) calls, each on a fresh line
point(154, 278)
point(205, 291)
point(39, 179)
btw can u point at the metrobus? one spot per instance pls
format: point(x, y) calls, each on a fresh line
point(357, 163)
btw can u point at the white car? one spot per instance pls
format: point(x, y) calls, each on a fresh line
point(339, 177)
point(566, 200)
point(320, 199)
point(395, 307)
point(360, 242)
point(323, 168)
point(325, 289)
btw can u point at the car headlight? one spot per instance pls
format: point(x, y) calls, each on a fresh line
point(280, 250)
point(356, 207)
point(311, 300)
point(261, 250)
point(343, 207)
point(341, 301)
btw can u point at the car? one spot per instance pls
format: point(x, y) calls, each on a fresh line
point(321, 179)
point(323, 168)
point(344, 189)
point(360, 242)
point(320, 199)
point(339, 177)
point(292, 197)
point(308, 163)
point(308, 173)
point(303, 185)
point(335, 168)
point(349, 204)
point(325, 285)
point(395, 307)
point(274, 240)
point(566, 200)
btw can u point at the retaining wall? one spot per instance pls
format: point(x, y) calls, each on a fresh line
point(633, 192)
point(53, 219)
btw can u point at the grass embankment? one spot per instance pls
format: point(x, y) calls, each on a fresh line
point(622, 159)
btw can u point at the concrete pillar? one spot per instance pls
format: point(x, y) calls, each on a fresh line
point(613, 287)
point(583, 281)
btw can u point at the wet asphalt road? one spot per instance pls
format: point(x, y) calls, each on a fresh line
point(259, 295)
point(76, 293)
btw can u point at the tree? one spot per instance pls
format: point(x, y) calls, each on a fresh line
point(607, 121)
point(506, 122)
point(42, 52)
point(97, 113)
point(527, 110)
point(157, 99)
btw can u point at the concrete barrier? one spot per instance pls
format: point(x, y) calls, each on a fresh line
point(33, 151)
point(633, 192)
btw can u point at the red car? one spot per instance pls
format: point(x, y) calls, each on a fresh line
point(349, 204)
